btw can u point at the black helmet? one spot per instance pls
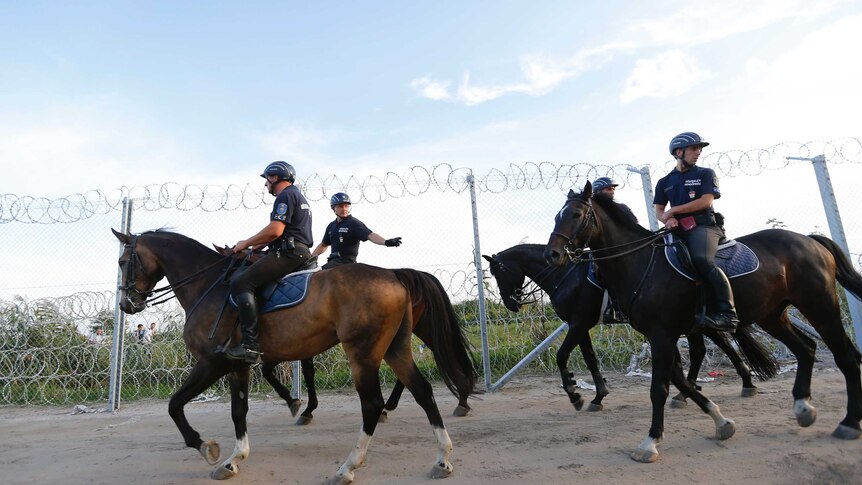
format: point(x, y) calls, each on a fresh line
point(687, 139)
point(282, 170)
point(603, 183)
point(339, 198)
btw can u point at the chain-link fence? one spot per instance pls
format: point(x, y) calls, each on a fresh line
point(57, 287)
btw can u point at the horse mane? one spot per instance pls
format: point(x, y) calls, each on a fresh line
point(615, 211)
point(173, 235)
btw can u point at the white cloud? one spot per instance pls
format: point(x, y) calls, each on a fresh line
point(430, 88)
point(668, 74)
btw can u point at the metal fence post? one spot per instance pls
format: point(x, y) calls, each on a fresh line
point(646, 181)
point(477, 260)
point(836, 230)
point(296, 391)
point(116, 370)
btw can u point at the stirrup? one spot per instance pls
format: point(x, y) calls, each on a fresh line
point(241, 353)
point(719, 322)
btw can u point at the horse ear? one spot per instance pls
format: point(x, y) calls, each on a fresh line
point(588, 190)
point(490, 259)
point(572, 194)
point(123, 238)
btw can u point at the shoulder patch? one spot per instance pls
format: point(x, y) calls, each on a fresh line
point(281, 209)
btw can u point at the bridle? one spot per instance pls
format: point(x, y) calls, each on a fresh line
point(520, 295)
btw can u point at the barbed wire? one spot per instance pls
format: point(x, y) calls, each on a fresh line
point(415, 181)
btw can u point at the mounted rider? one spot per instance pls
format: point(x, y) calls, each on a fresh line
point(606, 186)
point(691, 190)
point(288, 236)
point(345, 233)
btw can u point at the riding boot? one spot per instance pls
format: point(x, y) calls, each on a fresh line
point(249, 350)
point(724, 318)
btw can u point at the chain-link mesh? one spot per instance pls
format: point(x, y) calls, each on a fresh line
point(54, 292)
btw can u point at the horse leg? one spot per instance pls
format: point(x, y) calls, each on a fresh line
point(724, 428)
point(392, 402)
point(563, 354)
point(267, 369)
point(721, 340)
point(847, 358)
point(203, 374)
point(366, 379)
point(238, 380)
point(462, 409)
point(803, 349)
point(663, 349)
point(696, 354)
point(308, 376)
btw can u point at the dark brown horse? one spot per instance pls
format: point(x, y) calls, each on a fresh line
point(368, 310)
point(794, 270)
point(578, 302)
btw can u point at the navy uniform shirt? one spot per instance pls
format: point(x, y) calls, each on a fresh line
point(345, 236)
point(680, 188)
point(291, 208)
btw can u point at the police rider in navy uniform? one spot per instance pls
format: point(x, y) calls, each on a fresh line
point(607, 186)
point(288, 235)
point(691, 190)
point(345, 233)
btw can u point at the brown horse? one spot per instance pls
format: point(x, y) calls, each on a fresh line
point(421, 329)
point(794, 270)
point(368, 310)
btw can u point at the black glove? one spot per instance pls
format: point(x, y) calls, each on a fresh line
point(392, 243)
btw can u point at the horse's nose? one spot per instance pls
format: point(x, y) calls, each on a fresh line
point(553, 257)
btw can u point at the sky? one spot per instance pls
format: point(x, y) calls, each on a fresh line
point(100, 95)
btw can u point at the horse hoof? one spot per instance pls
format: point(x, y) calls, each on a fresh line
point(441, 470)
point(294, 408)
point(384, 416)
point(336, 480)
point(304, 420)
point(210, 450)
point(725, 431)
point(748, 392)
point(223, 472)
point(806, 414)
point(578, 403)
point(678, 403)
point(593, 407)
point(644, 456)
point(461, 411)
point(846, 433)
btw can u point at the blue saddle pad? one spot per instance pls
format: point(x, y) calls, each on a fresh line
point(733, 257)
point(287, 292)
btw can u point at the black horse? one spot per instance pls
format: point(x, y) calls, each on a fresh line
point(578, 302)
point(794, 270)
point(368, 310)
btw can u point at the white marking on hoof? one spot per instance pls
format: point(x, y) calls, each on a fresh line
point(441, 470)
point(647, 451)
point(444, 449)
point(806, 414)
point(355, 459)
point(748, 392)
point(384, 416)
point(222, 472)
point(724, 428)
point(210, 450)
point(461, 411)
point(846, 433)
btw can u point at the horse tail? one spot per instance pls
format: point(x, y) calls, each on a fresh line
point(759, 359)
point(450, 347)
point(849, 278)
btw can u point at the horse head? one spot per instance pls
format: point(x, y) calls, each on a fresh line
point(510, 281)
point(140, 273)
point(574, 226)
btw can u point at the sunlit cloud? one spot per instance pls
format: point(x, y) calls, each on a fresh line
point(668, 74)
point(431, 89)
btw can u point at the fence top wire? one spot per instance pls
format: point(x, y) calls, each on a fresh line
point(416, 180)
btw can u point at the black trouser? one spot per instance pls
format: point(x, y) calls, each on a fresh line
point(338, 261)
point(269, 268)
point(702, 242)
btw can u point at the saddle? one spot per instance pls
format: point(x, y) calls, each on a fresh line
point(285, 292)
point(733, 257)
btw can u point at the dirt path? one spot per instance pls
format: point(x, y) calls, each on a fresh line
point(526, 434)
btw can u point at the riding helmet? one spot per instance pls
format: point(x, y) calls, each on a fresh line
point(339, 198)
point(282, 170)
point(603, 183)
point(687, 139)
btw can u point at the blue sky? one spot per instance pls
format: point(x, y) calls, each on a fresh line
point(111, 94)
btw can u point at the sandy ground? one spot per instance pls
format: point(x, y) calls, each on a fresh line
point(528, 433)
